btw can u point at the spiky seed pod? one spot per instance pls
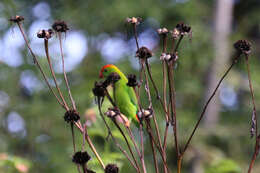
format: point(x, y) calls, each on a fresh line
point(111, 168)
point(184, 29)
point(111, 79)
point(143, 53)
point(71, 116)
point(81, 157)
point(46, 34)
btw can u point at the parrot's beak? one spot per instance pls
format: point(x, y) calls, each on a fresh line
point(101, 75)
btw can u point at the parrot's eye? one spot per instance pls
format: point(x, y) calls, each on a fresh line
point(105, 70)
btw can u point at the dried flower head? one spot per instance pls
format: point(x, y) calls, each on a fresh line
point(99, 90)
point(134, 20)
point(71, 116)
point(162, 31)
point(132, 82)
point(169, 56)
point(183, 29)
point(111, 113)
point(175, 33)
point(111, 168)
point(16, 19)
point(46, 34)
point(81, 157)
point(243, 46)
point(60, 26)
point(143, 53)
point(111, 79)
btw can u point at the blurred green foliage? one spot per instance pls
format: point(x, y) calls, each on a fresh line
point(47, 145)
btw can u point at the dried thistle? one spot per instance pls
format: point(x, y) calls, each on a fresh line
point(134, 20)
point(99, 89)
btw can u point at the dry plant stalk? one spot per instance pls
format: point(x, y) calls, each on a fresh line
point(148, 120)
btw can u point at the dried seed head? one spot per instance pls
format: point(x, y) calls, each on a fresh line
point(169, 56)
point(111, 79)
point(111, 113)
point(81, 157)
point(111, 168)
point(60, 26)
point(243, 46)
point(46, 34)
point(162, 31)
point(99, 89)
point(148, 113)
point(71, 116)
point(132, 82)
point(175, 33)
point(134, 20)
point(16, 19)
point(143, 53)
point(183, 28)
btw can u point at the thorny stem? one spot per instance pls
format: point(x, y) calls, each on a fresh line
point(256, 150)
point(114, 139)
point(38, 65)
point(53, 74)
point(206, 105)
point(64, 73)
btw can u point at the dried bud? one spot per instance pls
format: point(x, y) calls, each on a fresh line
point(175, 33)
point(16, 19)
point(169, 56)
point(111, 168)
point(60, 26)
point(134, 20)
point(111, 113)
point(46, 34)
point(71, 116)
point(132, 82)
point(81, 157)
point(111, 79)
point(243, 46)
point(99, 89)
point(148, 113)
point(183, 28)
point(143, 53)
point(162, 31)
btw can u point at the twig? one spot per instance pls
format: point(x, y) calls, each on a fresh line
point(53, 74)
point(64, 73)
point(257, 138)
point(206, 105)
point(38, 64)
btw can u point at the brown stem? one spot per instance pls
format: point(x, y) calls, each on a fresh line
point(38, 64)
point(94, 149)
point(135, 34)
point(142, 147)
point(178, 44)
point(256, 150)
point(179, 161)
point(173, 107)
point(52, 72)
point(206, 105)
point(114, 139)
point(64, 73)
point(73, 137)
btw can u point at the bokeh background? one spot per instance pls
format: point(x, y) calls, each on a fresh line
point(33, 135)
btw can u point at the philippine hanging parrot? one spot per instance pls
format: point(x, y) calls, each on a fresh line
point(124, 96)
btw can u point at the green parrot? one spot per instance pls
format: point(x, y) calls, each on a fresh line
point(124, 96)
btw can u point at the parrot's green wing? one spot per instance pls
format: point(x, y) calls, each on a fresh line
point(132, 96)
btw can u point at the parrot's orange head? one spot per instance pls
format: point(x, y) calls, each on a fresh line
point(107, 70)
